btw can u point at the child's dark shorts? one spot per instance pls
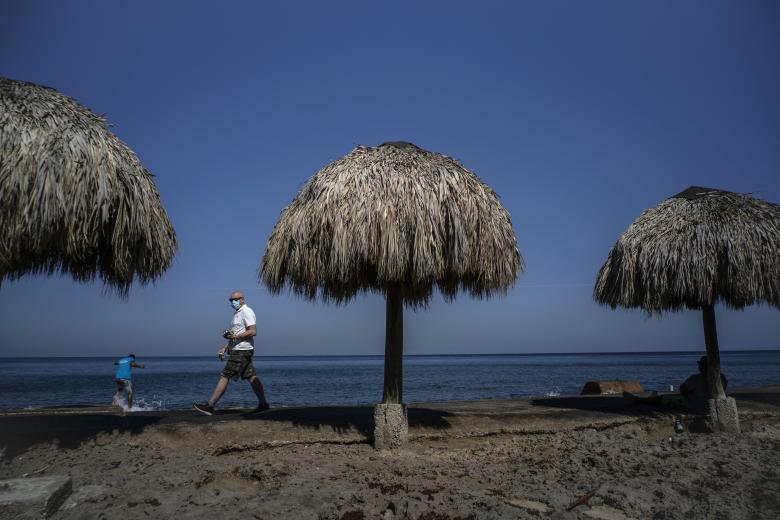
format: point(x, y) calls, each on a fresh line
point(239, 365)
point(124, 384)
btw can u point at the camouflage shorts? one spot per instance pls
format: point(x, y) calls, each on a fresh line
point(239, 365)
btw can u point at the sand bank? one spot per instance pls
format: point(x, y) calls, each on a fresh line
point(520, 458)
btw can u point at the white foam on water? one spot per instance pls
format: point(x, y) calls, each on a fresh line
point(141, 405)
point(554, 393)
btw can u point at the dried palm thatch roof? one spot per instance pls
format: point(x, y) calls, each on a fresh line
point(75, 198)
point(697, 248)
point(388, 214)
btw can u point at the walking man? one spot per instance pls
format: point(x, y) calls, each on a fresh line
point(240, 348)
point(124, 378)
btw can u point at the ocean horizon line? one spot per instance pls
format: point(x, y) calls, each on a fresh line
point(380, 356)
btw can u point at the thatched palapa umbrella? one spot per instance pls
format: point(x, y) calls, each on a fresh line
point(695, 249)
point(398, 220)
point(73, 197)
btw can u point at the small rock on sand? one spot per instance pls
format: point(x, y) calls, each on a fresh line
point(36, 497)
point(615, 386)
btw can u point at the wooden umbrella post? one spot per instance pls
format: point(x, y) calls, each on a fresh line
point(713, 353)
point(394, 346)
point(722, 410)
point(390, 423)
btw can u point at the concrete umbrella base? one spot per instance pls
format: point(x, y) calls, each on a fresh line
point(391, 427)
point(722, 415)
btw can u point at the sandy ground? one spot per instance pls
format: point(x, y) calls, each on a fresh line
point(522, 465)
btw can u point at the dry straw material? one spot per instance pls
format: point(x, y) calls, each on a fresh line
point(695, 249)
point(75, 199)
point(393, 214)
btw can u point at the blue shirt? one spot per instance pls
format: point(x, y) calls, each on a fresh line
point(125, 371)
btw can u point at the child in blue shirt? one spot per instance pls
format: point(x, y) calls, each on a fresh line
point(124, 378)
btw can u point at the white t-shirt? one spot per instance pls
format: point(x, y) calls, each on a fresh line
point(244, 317)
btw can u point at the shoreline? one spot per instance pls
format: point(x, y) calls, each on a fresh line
point(70, 425)
point(86, 408)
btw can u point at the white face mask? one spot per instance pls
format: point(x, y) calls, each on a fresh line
point(236, 304)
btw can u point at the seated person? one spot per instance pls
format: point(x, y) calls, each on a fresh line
point(694, 393)
point(695, 390)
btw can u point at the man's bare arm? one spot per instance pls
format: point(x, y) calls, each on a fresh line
point(250, 332)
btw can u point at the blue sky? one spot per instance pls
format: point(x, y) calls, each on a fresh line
point(580, 115)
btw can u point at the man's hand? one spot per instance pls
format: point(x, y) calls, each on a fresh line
point(250, 331)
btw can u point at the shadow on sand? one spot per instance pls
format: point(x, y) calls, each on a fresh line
point(19, 432)
point(602, 403)
point(343, 419)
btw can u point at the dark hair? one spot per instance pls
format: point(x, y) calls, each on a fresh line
point(131, 355)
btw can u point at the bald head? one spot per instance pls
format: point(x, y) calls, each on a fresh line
point(236, 295)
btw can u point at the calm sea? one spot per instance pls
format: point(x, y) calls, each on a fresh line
point(175, 382)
